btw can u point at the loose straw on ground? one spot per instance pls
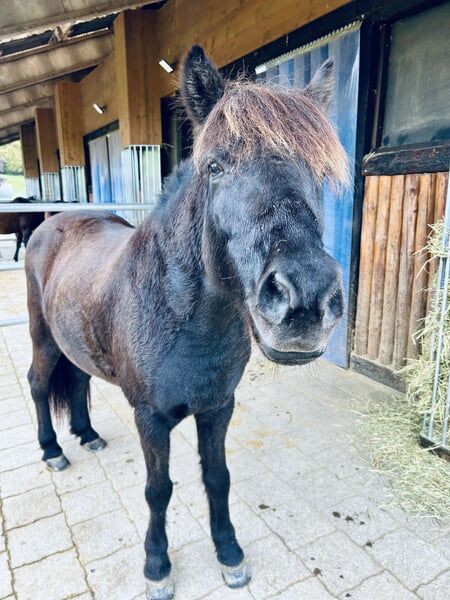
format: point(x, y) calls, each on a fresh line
point(420, 479)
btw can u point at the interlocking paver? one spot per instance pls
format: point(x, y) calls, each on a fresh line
point(119, 576)
point(296, 523)
point(360, 519)
point(80, 475)
point(15, 436)
point(274, 567)
point(338, 562)
point(196, 571)
point(30, 506)
point(439, 589)
point(5, 576)
point(23, 479)
point(310, 589)
point(409, 558)
point(321, 488)
point(89, 502)
point(104, 535)
point(12, 419)
point(33, 542)
point(289, 463)
point(57, 577)
point(381, 587)
point(264, 490)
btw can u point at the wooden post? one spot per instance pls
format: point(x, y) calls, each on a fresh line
point(68, 122)
point(366, 264)
point(138, 78)
point(406, 271)
point(379, 267)
point(418, 295)
point(47, 142)
point(29, 150)
point(386, 351)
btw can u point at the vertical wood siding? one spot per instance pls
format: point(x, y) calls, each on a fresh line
point(395, 272)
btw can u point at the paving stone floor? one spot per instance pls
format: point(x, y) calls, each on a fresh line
point(306, 505)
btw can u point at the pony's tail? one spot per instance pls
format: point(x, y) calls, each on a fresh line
point(62, 386)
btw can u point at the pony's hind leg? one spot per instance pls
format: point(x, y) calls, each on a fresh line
point(45, 359)
point(212, 428)
point(80, 422)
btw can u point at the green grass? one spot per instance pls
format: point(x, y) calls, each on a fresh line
point(17, 182)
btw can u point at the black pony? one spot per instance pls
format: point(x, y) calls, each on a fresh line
point(22, 224)
point(166, 310)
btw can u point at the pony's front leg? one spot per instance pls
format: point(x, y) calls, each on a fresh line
point(212, 428)
point(155, 440)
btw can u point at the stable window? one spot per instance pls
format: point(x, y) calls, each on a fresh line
point(417, 98)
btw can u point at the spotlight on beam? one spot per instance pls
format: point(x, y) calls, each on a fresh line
point(98, 108)
point(168, 68)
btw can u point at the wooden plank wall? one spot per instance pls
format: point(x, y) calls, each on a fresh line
point(394, 270)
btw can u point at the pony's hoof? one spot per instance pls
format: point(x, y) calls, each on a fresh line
point(59, 463)
point(96, 445)
point(237, 577)
point(160, 590)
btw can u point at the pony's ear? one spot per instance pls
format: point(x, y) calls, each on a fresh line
point(320, 88)
point(201, 85)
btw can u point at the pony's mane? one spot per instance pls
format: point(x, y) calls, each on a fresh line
point(259, 117)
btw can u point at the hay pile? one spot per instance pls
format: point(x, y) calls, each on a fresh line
point(420, 479)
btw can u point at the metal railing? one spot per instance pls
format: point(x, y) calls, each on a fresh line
point(435, 426)
point(7, 207)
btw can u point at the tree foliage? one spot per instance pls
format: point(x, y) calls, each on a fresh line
point(11, 159)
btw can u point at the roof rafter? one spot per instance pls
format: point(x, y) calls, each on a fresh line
point(51, 62)
point(19, 17)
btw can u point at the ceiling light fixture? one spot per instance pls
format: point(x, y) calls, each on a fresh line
point(168, 68)
point(98, 108)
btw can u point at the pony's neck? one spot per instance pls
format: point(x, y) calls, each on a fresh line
point(181, 260)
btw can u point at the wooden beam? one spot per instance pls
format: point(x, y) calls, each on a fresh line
point(29, 150)
point(47, 140)
point(68, 123)
point(229, 30)
point(51, 62)
point(138, 77)
point(32, 17)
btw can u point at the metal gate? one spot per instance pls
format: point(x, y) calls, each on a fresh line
point(435, 427)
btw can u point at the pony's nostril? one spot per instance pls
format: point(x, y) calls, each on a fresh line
point(274, 297)
point(335, 305)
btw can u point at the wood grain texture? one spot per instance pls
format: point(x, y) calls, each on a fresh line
point(137, 70)
point(420, 276)
point(366, 264)
point(100, 87)
point(386, 349)
point(395, 273)
point(47, 142)
point(68, 123)
point(29, 150)
point(406, 272)
point(379, 266)
point(229, 30)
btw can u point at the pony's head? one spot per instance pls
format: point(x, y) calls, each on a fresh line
point(262, 153)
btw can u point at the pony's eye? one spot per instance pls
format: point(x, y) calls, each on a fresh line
point(214, 168)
